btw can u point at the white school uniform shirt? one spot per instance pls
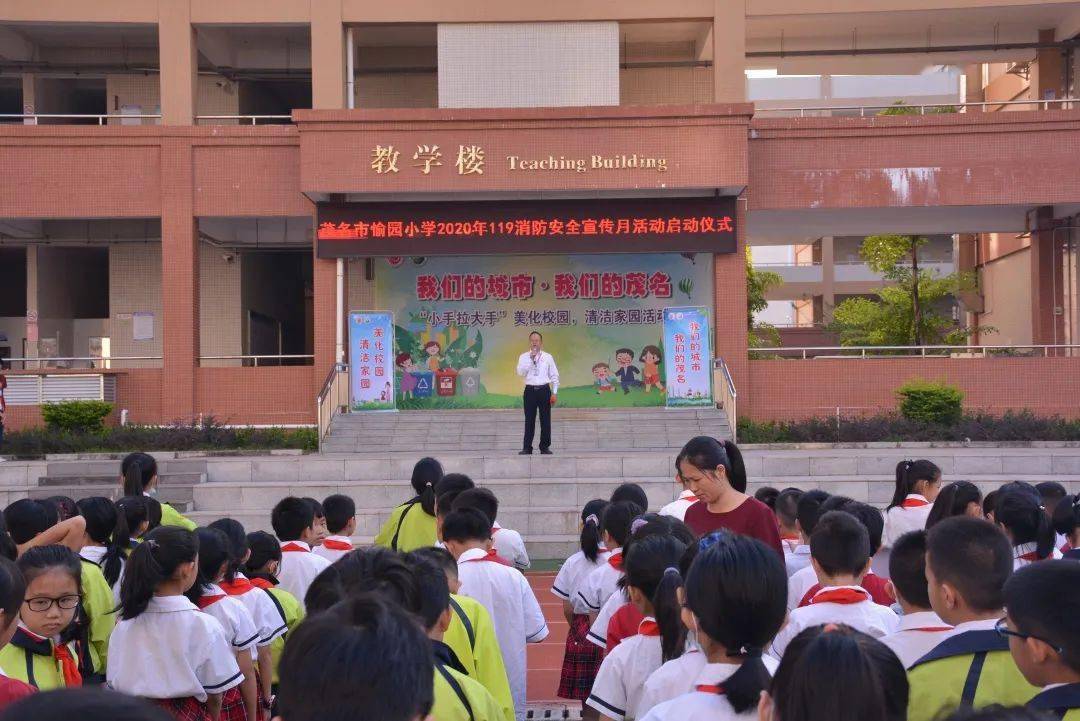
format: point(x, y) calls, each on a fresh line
point(798, 584)
point(703, 704)
point(598, 631)
point(1024, 555)
point(597, 587)
point(510, 546)
point(617, 689)
point(171, 650)
point(900, 520)
point(233, 616)
point(540, 373)
point(919, 633)
point(514, 611)
point(570, 575)
point(333, 548)
point(677, 508)
point(797, 559)
point(264, 613)
point(299, 567)
point(866, 616)
point(96, 556)
point(679, 676)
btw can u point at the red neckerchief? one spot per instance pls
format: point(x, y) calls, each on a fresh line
point(789, 538)
point(335, 545)
point(843, 596)
point(1029, 556)
point(291, 547)
point(236, 587)
point(68, 665)
point(205, 601)
point(930, 629)
point(615, 560)
point(710, 688)
point(491, 556)
point(914, 502)
point(261, 583)
point(648, 627)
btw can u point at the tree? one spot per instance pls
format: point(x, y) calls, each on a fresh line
point(905, 312)
point(758, 283)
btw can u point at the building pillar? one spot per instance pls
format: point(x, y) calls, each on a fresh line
point(1046, 286)
point(730, 334)
point(179, 57)
point(324, 280)
point(179, 282)
point(828, 279)
point(327, 55)
point(729, 52)
point(1048, 72)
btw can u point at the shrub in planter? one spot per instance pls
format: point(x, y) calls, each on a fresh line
point(929, 402)
point(86, 416)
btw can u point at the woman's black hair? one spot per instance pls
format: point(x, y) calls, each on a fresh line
point(737, 590)
point(8, 549)
point(213, 555)
point(37, 560)
point(138, 469)
point(1020, 512)
point(617, 519)
point(238, 545)
point(101, 518)
point(264, 549)
point(953, 500)
point(707, 453)
point(1067, 516)
point(153, 562)
point(908, 473)
point(12, 590)
point(591, 538)
point(426, 473)
point(652, 567)
point(85, 704)
point(822, 659)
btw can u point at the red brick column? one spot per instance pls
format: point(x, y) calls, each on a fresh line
point(325, 300)
point(179, 281)
point(729, 319)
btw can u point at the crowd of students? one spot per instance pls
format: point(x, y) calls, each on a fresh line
point(782, 606)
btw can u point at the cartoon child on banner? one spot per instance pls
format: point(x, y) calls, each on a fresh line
point(433, 349)
point(627, 373)
point(602, 373)
point(404, 361)
point(651, 359)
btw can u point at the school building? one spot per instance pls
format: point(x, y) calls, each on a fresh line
point(194, 195)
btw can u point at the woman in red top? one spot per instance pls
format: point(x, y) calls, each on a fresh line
point(714, 471)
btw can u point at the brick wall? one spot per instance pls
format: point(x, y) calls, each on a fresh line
point(220, 314)
point(261, 396)
point(134, 286)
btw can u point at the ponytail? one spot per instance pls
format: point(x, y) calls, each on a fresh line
point(137, 469)
point(591, 530)
point(735, 468)
point(908, 474)
point(952, 501)
point(213, 555)
point(426, 473)
point(707, 454)
point(668, 614)
point(1067, 516)
point(153, 562)
point(131, 513)
point(650, 567)
point(102, 517)
point(1019, 510)
point(8, 549)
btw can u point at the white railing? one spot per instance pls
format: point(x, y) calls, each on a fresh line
point(333, 397)
point(917, 109)
point(728, 398)
point(36, 390)
point(65, 362)
point(923, 351)
point(256, 358)
point(243, 119)
point(101, 119)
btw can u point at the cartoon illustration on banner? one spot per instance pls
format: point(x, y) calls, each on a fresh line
point(689, 374)
point(371, 376)
point(462, 321)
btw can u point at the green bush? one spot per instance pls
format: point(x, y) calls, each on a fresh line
point(930, 402)
point(85, 416)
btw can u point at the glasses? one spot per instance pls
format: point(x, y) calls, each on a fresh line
point(1003, 630)
point(42, 603)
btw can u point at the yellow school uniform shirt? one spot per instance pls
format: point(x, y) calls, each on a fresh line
point(972, 668)
point(412, 527)
point(1061, 702)
point(31, 660)
point(293, 613)
point(471, 636)
point(98, 605)
point(172, 517)
point(458, 697)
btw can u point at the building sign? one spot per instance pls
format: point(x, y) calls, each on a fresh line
point(371, 376)
point(462, 322)
point(688, 373)
point(472, 159)
point(684, 225)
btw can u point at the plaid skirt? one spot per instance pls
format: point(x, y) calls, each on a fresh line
point(183, 709)
point(232, 706)
point(581, 661)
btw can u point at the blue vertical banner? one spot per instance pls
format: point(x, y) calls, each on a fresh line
point(371, 360)
point(688, 366)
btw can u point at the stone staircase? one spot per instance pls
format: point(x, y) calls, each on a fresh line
point(85, 478)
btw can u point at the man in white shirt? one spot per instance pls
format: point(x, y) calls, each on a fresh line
point(293, 520)
point(541, 376)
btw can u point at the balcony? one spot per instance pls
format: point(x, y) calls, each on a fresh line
point(858, 272)
point(794, 273)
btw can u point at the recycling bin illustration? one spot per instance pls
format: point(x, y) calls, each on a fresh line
point(425, 384)
point(469, 381)
point(446, 382)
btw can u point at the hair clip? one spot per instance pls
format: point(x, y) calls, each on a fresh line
point(591, 518)
point(152, 544)
point(830, 628)
point(751, 651)
point(709, 540)
point(672, 570)
point(637, 523)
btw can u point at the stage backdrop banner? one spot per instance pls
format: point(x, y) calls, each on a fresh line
point(462, 322)
point(371, 370)
point(688, 374)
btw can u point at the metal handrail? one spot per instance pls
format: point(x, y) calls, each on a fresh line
point(84, 358)
point(333, 389)
point(729, 398)
point(936, 351)
point(245, 118)
point(1064, 103)
point(256, 357)
point(101, 118)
